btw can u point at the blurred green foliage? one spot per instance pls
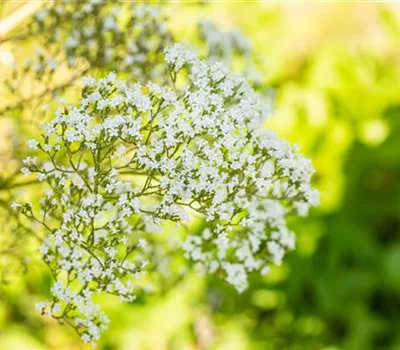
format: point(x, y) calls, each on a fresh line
point(336, 69)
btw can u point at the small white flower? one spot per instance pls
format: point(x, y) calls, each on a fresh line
point(25, 171)
point(142, 243)
point(32, 144)
point(15, 205)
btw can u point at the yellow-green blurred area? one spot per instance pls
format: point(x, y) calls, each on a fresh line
point(336, 71)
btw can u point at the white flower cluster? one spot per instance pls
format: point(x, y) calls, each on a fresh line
point(235, 50)
point(106, 33)
point(224, 45)
point(80, 36)
point(130, 157)
point(90, 247)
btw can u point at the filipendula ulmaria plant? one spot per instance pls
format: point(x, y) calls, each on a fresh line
point(129, 158)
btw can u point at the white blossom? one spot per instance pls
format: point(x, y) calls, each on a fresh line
point(137, 156)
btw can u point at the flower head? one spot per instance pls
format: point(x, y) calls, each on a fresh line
point(129, 158)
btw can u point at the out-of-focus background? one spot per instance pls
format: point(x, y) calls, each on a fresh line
point(335, 69)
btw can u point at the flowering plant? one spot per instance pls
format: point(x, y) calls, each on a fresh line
point(131, 157)
point(79, 37)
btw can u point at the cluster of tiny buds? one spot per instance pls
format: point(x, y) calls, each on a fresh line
point(128, 159)
point(80, 36)
point(233, 48)
point(109, 37)
point(224, 44)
